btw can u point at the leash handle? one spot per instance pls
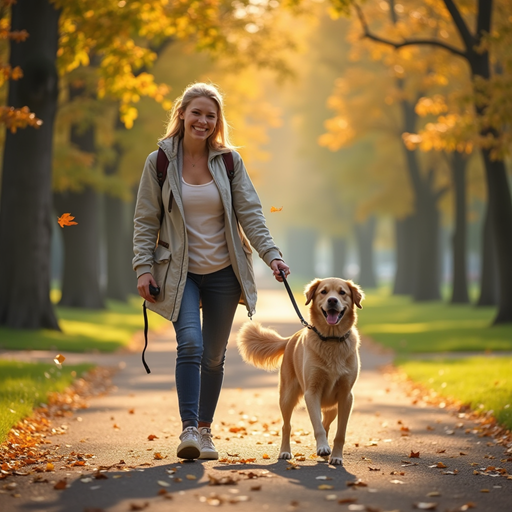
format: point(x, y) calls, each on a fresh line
point(292, 298)
point(145, 337)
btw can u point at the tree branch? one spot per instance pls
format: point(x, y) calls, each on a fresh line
point(465, 34)
point(406, 42)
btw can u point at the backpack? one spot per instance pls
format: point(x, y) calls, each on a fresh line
point(162, 163)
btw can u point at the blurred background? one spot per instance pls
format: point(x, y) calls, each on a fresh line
point(380, 132)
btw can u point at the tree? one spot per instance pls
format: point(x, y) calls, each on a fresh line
point(25, 214)
point(475, 52)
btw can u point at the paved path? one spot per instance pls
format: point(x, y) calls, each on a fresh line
point(384, 429)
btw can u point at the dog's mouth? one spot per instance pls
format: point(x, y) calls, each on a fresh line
point(333, 316)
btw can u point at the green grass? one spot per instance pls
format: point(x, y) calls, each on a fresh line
point(24, 386)
point(85, 330)
point(484, 383)
point(412, 327)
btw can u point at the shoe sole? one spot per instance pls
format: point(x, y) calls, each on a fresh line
point(209, 456)
point(189, 451)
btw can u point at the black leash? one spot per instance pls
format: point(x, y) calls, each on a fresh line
point(301, 318)
point(145, 337)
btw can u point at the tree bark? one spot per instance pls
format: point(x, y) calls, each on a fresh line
point(26, 217)
point(339, 256)
point(459, 252)
point(81, 273)
point(365, 234)
point(488, 268)
point(404, 257)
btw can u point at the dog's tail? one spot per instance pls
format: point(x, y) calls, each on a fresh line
point(261, 347)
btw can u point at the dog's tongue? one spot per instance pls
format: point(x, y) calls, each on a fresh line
point(332, 316)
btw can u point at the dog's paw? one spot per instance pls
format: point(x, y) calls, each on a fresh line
point(285, 455)
point(323, 451)
point(336, 461)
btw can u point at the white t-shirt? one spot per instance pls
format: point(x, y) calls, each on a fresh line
point(204, 218)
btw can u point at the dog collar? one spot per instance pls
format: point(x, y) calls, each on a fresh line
point(327, 338)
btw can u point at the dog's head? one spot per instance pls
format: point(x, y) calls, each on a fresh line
point(333, 298)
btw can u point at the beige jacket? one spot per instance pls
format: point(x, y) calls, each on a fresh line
point(162, 248)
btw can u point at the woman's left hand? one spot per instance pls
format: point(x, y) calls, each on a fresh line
point(277, 266)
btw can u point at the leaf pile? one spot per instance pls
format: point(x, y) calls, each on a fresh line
point(28, 448)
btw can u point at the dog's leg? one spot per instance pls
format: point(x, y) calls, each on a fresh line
point(313, 405)
point(328, 418)
point(344, 410)
point(288, 398)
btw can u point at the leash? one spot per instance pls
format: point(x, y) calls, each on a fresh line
point(145, 337)
point(301, 318)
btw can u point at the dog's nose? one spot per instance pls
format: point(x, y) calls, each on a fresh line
point(332, 301)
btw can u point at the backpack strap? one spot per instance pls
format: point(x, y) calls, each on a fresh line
point(230, 165)
point(161, 166)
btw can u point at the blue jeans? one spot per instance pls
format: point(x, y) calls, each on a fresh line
point(201, 351)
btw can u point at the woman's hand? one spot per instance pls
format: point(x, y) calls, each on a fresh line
point(143, 286)
point(277, 266)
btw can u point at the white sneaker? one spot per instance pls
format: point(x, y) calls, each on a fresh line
point(208, 450)
point(189, 447)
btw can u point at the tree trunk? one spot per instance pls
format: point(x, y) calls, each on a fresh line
point(489, 271)
point(301, 252)
point(365, 234)
point(339, 256)
point(500, 213)
point(26, 216)
point(404, 258)
point(81, 273)
point(460, 282)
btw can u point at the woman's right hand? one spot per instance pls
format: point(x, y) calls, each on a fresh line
point(143, 283)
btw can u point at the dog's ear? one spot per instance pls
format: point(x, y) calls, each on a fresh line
point(310, 290)
point(357, 294)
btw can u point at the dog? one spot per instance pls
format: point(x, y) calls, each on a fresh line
point(322, 371)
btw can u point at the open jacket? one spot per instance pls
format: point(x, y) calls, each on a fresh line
point(160, 236)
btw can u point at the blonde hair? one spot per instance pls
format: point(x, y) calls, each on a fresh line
point(219, 139)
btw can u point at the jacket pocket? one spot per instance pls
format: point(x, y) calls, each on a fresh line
point(160, 268)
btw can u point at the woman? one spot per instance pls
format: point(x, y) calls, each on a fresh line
point(188, 242)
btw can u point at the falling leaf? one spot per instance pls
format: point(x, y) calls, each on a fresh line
point(414, 455)
point(151, 437)
point(273, 209)
point(66, 219)
point(59, 359)
point(425, 506)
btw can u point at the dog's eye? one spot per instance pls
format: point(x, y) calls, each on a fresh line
point(324, 292)
point(342, 292)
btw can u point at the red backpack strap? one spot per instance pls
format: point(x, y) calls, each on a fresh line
point(161, 166)
point(230, 165)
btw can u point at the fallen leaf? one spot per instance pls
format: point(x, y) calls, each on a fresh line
point(66, 219)
point(162, 483)
point(425, 506)
point(131, 411)
point(325, 487)
point(440, 465)
point(158, 456)
point(191, 477)
point(256, 488)
point(357, 483)
point(61, 484)
point(49, 466)
point(322, 477)
point(266, 456)
point(414, 455)
point(331, 497)
point(397, 481)
point(346, 501)
point(137, 506)
point(151, 437)
point(433, 494)
point(484, 490)
point(273, 209)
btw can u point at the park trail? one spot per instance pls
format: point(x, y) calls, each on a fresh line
point(401, 454)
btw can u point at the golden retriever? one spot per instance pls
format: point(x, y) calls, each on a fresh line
point(324, 372)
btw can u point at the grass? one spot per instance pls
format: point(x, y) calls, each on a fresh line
point(85, 330)
point(484, 383)
point(412, 328)
point(24, 386)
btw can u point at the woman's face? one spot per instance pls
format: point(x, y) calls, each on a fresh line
point(200, 118)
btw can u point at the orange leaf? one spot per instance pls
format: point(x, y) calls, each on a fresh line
point(273, 209)
point(158, 456)
point(266, 456)
point(66, 219)
point(414, 455)
point(151, 437)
